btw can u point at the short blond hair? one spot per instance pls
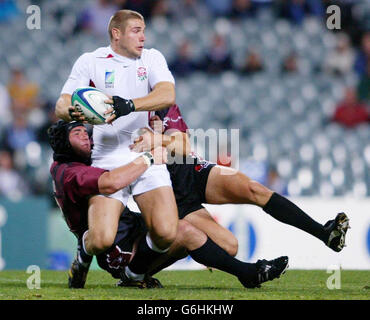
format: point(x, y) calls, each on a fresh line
point(120, 18)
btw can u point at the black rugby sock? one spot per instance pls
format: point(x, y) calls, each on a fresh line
point(143, 257)
point(287, 212)
point(212, 255)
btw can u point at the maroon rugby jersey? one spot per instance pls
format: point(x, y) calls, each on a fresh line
point(73, 183)
point(172, 119)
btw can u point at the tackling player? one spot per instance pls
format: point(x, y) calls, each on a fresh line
point(141, 76)
point(75, 181)
point(198, 181)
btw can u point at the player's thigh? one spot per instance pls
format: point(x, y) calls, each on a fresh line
point(227, 185)
point(202, 220)
point(159, 210)
point(103, 218)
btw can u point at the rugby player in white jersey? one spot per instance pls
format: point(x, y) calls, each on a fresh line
point(138, 80)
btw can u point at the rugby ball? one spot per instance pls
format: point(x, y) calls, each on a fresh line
point(90, 102)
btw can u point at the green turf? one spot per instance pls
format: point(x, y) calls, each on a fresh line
point(184, 285)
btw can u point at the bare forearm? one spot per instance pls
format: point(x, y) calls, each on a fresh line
point(162, 96)
point(61, 107)
point(177, 143)
point(119, 178)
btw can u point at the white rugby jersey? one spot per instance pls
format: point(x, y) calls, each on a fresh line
point(117, 75)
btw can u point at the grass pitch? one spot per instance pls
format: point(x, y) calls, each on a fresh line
point(189, 285)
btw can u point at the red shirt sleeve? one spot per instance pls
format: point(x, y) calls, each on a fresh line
point(82, 180)
point(174, 120)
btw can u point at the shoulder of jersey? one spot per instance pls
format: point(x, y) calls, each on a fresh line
point(102, 52)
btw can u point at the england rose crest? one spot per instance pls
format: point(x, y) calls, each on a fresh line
point(141, 73)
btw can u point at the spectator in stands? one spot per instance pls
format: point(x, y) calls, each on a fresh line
point(183, 64)
point(363, 56)
point(5, 112)
point(262, 4)
point(340, 61)
point(243, 9)
point(160, 8)
point(297, 10)
point(41, 132)
point(12, 184)
point(253, 63)
point(363, 87)
point(182, 9)
point(142, 6)
point(290, 64)
point(23, 92)
point(95, 17)
point(350, 112)
point(218, 56)
point(219, 8)
point(18, 134)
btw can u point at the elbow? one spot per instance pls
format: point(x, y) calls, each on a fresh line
point(113, 187)
point(171, 97)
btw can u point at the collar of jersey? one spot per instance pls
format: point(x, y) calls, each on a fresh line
point(123, 59)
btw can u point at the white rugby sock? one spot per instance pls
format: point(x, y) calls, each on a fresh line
point(82, 255)
point(152, 245)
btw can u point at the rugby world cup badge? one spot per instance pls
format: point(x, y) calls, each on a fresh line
point(141, 73)
point(109, 78)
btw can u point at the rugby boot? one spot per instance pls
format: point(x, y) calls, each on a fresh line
point(337, 230)
point(266, 270)
point(77, 275)
point(147, 283)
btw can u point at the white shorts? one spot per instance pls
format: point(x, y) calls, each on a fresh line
point(154, 177)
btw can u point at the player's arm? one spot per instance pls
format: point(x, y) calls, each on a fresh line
point(79, 77)
point(176, 142)
point(64, 110)
point(112, 181)
point(162, 96)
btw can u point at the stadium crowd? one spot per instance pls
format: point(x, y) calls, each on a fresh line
point(25, 113)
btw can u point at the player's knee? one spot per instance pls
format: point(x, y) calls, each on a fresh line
point(165, 235)
point(232, 246)
point(259, 193)
point(101, 242)
point(186, 230)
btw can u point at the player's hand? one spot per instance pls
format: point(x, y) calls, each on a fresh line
point(120, 107)
point(156, 124)
point(75, 115)
point(160, 155)
point(146, 142)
